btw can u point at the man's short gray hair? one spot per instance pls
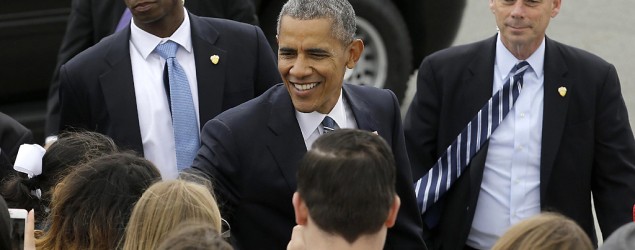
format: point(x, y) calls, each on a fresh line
point(339, 11)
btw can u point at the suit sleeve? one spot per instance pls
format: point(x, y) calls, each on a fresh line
point(74, 110)
point(421, 124)
point(217, 162)
point(407, 232)
point(613, 183)
point(266, 73)
point(77, 38)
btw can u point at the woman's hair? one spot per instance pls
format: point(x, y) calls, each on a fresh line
point(91, 206)
point(194, 235)
point(166, 204)
point(545, 231)
point(71, 149)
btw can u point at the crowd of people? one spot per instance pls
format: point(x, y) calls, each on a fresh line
point(177, 132)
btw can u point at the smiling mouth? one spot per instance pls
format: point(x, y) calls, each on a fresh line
point(305, 86)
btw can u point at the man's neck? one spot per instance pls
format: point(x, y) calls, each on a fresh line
point(316, 239)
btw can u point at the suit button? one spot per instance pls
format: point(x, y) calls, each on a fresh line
point(467, 208)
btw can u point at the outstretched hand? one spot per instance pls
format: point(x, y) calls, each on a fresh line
point(29, 231)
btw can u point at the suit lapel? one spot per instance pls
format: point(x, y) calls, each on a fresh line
point(360, 109)
point(118, 88)
point(210, 77)
point(286, 144)
point(554, 110)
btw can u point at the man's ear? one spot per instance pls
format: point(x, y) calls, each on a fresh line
point(355, 50)
point(555, 8)
point(392, 213)
point(301, 211)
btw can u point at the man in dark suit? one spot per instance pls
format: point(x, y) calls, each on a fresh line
point(119, 87)
point(92, 20)
point(252, 151)
point(566, 137)
point(12, 135)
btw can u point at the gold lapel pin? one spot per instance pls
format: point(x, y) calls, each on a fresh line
point(214, 59)
point(562, 91)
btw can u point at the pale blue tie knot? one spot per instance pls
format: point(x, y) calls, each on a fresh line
point(167, 50)
point(184, 123)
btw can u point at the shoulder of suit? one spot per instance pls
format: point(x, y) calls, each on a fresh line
point(464, 52)
point(99, 50)
point(575, 55)
point(260, 103)
point(223, 25)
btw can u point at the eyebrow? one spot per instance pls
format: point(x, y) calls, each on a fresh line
point(317, 51)
point(285, 49)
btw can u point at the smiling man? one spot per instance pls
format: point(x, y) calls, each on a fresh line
point(153, 84)
point(565, 139)
point(252, 151)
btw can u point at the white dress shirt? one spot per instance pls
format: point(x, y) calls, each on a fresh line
point(510, 190)
point(155, 118)
point(310, 123)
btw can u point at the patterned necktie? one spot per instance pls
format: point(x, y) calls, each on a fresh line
point(186, 132)
point(328, 124)
point(457, 156)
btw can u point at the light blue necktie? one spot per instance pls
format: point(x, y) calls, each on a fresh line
point(457, 156)
point(184, 122)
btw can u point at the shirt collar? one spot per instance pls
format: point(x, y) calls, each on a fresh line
point(309, 122)
point(506, 60)
point(145, 42)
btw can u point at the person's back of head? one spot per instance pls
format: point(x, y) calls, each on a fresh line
point(545, 231)
point(71, 149)
point(346, 184)
point(622, 239)
point(91, 206)
point(194, 235)
point(166, 204)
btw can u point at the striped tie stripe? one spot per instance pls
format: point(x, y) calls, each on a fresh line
point(457, 156)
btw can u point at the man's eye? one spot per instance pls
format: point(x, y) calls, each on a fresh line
point(319, 56)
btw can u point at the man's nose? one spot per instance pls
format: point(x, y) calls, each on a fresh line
point(300, 68)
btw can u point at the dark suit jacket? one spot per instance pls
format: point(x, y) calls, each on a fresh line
point(587, 142)
point(252, 153)
point(92, 20)
point(12, 135)
point(97, 89)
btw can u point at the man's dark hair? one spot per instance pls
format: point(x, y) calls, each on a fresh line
point(347, 181)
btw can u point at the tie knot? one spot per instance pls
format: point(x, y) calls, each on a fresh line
point(167, 49)
point(520, 68)
point(329, 124)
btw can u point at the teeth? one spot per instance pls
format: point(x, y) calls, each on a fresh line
point(305, 86)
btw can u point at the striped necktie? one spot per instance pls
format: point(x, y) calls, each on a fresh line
point(457, 156)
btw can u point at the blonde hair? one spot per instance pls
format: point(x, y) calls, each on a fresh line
point(545, 231)
point(166, 204)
